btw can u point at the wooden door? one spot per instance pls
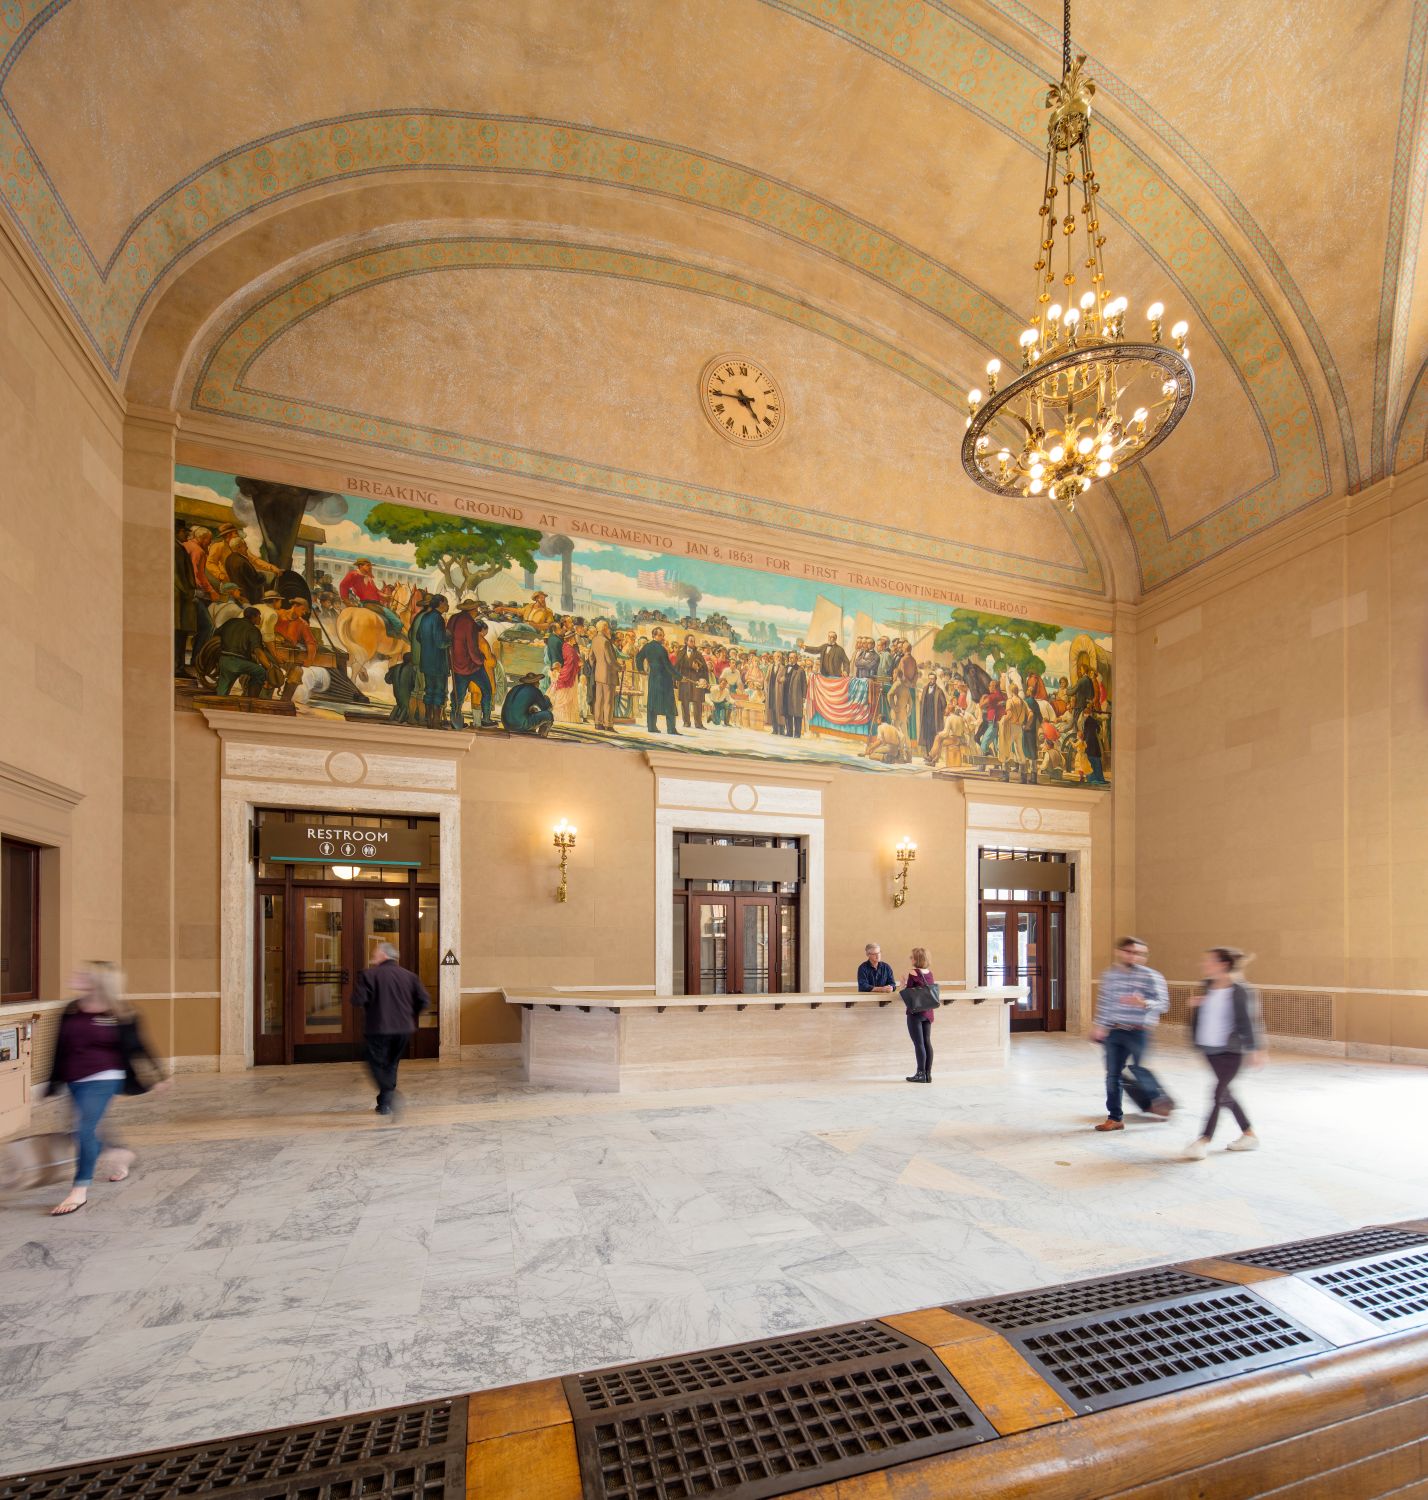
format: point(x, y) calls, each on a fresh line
point(1023, 944)
point(737, 944)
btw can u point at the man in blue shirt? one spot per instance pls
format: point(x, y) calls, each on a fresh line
point(1130, 998)
point(874, 976)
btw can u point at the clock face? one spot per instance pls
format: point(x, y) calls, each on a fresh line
point(742, 400)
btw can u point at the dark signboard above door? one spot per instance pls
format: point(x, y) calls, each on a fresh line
point(336, 842)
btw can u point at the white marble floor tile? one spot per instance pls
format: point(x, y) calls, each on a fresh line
point(279, 1254)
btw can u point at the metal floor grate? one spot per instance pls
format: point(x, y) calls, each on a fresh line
point(777, 1416)
point(1081, 1299)
point(410, 1453)
point(609, 1390)
point(1099, 1362)
point(1306, 1255)
point(1392, 1291)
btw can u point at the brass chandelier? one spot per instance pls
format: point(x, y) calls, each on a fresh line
point(1087, 401)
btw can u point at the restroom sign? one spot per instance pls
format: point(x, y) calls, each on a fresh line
point(337, 843)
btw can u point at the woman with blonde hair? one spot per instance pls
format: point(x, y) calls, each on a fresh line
point(920, 981)
point(95, 1051)
point(1224, 1025)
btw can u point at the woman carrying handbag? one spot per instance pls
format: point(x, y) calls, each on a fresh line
point(98, 1043)
point(921, 997)
point(1224, 1024)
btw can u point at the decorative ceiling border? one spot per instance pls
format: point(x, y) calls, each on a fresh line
point(221, 388)
point(1410, 437)
point(1405, 223)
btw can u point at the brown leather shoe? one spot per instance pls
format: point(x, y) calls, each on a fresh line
point(1111, 1125)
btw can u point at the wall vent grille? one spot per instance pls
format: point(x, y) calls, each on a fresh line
point(1327, 1249)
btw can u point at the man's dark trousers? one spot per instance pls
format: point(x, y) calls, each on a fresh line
point(1125, 1046)
point(385, 1049)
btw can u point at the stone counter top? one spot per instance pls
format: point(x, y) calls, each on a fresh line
point(618, 1000)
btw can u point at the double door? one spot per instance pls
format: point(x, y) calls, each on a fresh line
point(1023, 943)
point(740, 944)
point(313, 942)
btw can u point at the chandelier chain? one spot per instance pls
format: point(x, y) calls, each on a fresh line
point(1065, 37)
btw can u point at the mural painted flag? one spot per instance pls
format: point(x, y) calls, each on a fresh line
point(841, 700)
point(651, 580)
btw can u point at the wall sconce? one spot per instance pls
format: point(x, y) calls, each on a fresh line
point(565, 842)
point(906, 852)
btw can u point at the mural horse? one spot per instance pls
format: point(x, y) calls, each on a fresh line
point(363, 634)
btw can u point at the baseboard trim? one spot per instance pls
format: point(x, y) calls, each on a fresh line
point(490, 1051)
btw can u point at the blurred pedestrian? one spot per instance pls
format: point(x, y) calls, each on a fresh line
point(920, 981)
point(1130, 1000)
point(96, 1050)
point(391, 999)
point(1224, 1025)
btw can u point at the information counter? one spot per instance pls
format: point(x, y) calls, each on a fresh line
point(633, 1041)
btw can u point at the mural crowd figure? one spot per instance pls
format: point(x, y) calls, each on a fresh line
point(359, 622)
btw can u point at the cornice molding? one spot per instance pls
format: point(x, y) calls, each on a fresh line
point(382, 738)
point(54, 793)
point(736, 768)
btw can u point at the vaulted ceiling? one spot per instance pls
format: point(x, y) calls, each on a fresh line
point(506, 237)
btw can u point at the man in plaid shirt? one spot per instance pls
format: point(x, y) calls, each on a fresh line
point(1130, 1000)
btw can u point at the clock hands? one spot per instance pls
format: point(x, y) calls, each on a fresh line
point(740, 397)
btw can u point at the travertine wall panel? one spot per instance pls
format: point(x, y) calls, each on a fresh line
point(1280, 803)
point(62, 583)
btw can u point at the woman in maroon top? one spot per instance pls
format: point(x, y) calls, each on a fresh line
point(95, 1050)
point(919, 1022)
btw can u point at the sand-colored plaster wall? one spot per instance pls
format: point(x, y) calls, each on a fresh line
point(61, 601)
point(1282, 793)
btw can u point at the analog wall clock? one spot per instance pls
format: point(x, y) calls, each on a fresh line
point(742, 400)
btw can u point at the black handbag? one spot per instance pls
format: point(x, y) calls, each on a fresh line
point(921, 997)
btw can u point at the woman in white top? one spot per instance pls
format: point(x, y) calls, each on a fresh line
point(1225, 1027)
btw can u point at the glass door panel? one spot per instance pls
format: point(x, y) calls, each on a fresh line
point(1055, 980)
point(994, 948)
point(1028, 963)
point(270, 985)
point(382, 923)
point(322, 975)
point(681, 946)
point(754, 946)
point(788, 948)
point(429, 956)
point(712, 939)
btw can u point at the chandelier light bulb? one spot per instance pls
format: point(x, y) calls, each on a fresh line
point(1088, 301)
point(1037, 470)
point(1053, 313)
point(1004, 458)
point(1102, 469)
point(1028, 337)
point(1180, 329)
point(974, 397)
point(1155, 311)
point(1073, 316)
point(1170, 387)
point(994, 366)
point(1085, 445)
point(1035, 487)
point(1056, 454)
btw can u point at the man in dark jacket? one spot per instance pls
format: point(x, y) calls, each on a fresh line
point(391, 999)
point(654, 662)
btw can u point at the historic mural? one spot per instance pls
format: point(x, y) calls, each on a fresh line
point(349, 605)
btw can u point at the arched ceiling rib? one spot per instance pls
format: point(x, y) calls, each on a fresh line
point(890, 139)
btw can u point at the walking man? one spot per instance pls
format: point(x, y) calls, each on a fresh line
point(391, 998)
point(1130, 1000)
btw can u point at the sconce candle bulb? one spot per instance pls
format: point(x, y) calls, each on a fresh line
point(565, 842)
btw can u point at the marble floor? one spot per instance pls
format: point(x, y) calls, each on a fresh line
point(281, 1254)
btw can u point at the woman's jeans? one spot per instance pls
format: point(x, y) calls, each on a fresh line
point(919, 1028)
point(1224, 1065)
point(91, 1099)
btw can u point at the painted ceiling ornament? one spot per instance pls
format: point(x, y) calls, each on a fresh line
point(1087, 401)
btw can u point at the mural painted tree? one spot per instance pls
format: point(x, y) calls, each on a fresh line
point(971, 635)
point(466, 553)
